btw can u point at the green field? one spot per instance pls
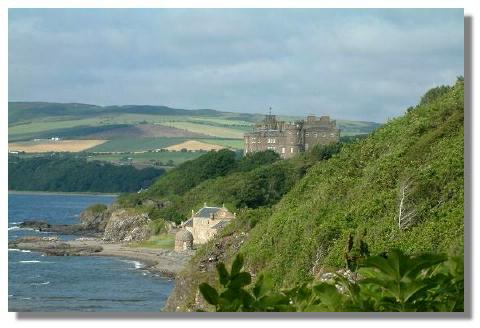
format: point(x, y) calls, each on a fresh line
point(214, 131)
point(230, 143)
point(165, 241)
point(148, 158)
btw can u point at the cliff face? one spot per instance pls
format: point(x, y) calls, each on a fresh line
point(95, 218)
point(127, 225)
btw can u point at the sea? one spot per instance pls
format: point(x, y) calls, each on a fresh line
point(41, 283)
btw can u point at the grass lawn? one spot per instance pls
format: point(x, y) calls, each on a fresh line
point(165, 241)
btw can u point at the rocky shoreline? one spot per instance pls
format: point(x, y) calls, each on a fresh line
point(156, 260)
point(103, 231)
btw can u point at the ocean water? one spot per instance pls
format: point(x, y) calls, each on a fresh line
point(93, 283)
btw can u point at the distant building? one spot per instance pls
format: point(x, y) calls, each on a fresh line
point(290, 138)
point(206, 222)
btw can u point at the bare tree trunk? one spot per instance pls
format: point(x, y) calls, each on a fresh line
point(406, 210)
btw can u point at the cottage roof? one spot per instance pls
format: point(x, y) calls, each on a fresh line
point(184, 235)
point(206, 211)
point(221, 224)
point(188, 223)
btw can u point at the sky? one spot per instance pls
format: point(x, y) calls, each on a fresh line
point(354, 64)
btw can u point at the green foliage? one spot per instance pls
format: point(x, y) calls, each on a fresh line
point(434, 93)
point(191, 173)
point(393, 282)
point(254, 160)
point(64, 173)
point(324, 152)
point(158, 226)
point(234, 297)
point(264, 185)
point(97, 208)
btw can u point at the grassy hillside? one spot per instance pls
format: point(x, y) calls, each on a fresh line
point(401, 187)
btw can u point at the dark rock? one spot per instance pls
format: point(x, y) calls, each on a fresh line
point(35, 224)
point(94, 219)
point(66, 229)
point(53, 246)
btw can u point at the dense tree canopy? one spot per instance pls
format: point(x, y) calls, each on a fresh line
point(62, 173)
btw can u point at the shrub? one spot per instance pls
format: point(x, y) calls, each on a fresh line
point(394, 282)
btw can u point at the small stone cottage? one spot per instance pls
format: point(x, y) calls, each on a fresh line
point(183, 240)
point(203, 225)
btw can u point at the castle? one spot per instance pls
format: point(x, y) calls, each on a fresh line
point(290, 138)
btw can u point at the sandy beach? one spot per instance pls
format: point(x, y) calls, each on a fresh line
point(165, 261)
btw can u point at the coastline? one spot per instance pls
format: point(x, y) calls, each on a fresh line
point(72, 193)
point(156, 260)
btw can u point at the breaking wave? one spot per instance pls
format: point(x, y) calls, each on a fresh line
point(19, 250)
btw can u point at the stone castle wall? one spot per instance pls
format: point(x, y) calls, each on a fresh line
point(288, 139)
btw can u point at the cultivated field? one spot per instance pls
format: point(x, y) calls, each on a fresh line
point(45, 146)
point(194, 145)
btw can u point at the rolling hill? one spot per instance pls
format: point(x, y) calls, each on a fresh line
point(30, 120)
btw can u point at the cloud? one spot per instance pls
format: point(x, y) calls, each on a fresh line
point(354, 64)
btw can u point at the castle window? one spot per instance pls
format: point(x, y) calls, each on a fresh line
point(307, 134)
point(283, 150)
point(315, 134)
point(291, 150)
point(271, 148)
point(332, 135)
